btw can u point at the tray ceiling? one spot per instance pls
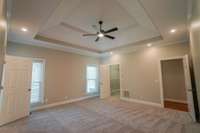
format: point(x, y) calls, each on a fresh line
point(72, 18)
point(59, 24)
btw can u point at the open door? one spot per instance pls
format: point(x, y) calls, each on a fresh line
point(104, 81)
point(189, 89)
point(15, 98)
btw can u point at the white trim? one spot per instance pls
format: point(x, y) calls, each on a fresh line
point(141, 101)
point(189, 10)
point(161, 84)
point(61, 103)
point(175, 100)
point(172, 58)
point(68, 49)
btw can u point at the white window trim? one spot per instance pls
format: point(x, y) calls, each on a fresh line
point(97, 79)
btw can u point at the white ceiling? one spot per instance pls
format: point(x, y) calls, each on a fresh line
point(61, 23)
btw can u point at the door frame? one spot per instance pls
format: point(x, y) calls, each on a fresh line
point(120, 76)
point(161, 76)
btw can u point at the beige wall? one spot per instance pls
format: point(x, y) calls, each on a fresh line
point(195, 42)
point(3, 40)
point(65, 73)
point(173, 80)
point(140, 70)
point(3, 34)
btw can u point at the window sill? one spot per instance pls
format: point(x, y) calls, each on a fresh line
point(92, 93)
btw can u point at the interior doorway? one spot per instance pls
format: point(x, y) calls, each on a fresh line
point(15, 98)
point(110, 80)
point(114, 79)
point(23, 87)
point(176, 86)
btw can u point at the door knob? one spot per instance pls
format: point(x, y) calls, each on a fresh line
point(29, 89)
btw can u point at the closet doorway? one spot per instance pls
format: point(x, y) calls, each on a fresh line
point(176, 87)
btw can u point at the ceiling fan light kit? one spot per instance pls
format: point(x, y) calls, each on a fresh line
point(102, 33)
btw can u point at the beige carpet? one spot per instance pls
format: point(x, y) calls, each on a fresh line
point(103, 116)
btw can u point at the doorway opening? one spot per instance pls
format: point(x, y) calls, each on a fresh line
point(23, 81)
point(114, 79)
point(174, 87)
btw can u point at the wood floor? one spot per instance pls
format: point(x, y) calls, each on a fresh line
point(176, 105)
point(103, 116)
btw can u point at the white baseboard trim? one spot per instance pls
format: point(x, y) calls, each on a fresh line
point(141, 101)
point(81, 98)
point(174, 100)
point(61, 103)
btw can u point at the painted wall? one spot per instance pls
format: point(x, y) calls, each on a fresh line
point(3, 34)
point(140, 70)
point(195, 42)
point(65, 73)
point(173, 80)
point(3, 41)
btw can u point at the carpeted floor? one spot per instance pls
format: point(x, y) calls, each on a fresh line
point(104, 116)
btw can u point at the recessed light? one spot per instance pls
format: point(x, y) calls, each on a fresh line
point(111, 53)
point(149, 45)
point(172, 30)
point(100, 35)
point(2, 23)
point(24, 29)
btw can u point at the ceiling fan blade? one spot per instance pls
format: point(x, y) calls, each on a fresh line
point(97, 39)
point(111, 30)
point(89, 34)
point(95, 28)
point(110, 37)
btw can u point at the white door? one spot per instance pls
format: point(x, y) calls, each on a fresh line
point(188, 85)
point(15, 98)
point(104, 81)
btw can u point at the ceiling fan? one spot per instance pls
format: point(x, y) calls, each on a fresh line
point(102, 33)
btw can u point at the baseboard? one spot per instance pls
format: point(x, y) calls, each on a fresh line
point(174, 100)
point(62, 103)
point(81, 98)
point(141, 101)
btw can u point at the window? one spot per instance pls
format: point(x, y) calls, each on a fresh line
point(92, 79)
point(37, 82)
